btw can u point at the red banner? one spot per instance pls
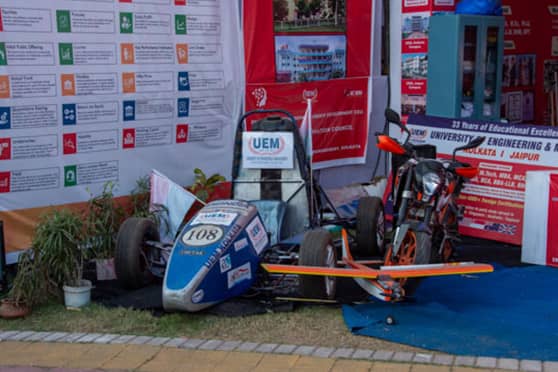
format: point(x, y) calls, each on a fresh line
point(339, 114)
point(298, 48)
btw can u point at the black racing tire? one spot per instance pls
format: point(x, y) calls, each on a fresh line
point(317, 249)
point(370, 228)
point(423, 256)
point(130, 264)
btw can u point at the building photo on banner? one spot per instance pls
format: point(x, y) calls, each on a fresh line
point(97, 92)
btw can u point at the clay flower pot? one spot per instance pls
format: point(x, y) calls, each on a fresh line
point(10, 310)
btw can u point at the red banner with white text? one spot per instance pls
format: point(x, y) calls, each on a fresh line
point(339, 115)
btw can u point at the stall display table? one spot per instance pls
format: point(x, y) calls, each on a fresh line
point(540, 226)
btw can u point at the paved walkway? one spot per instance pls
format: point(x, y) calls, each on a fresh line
point(27, 351)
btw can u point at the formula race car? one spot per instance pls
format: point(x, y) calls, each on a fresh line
point(279, 230)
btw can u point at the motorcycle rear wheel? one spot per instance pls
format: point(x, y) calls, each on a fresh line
point(415, 250)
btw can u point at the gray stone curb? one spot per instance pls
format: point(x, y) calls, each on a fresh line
point(175, 342)
point(509, 364)
point(285, 349)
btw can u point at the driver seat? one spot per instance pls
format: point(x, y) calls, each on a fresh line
point(272, 213)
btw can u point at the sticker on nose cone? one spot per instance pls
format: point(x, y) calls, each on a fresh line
point(202, 235)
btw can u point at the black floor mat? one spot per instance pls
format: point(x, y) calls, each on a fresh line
point(109, 293)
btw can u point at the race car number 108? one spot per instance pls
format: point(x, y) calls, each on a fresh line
point(202, 235)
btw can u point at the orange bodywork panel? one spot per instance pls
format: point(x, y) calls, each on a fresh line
point(394, 272)
point(386, 143)
point(467, 172)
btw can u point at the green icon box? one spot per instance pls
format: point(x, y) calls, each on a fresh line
point(180, 24)
point(3, 55)
point(70, 175)
point(63, 21)
point(66, 53)
point(126, 23)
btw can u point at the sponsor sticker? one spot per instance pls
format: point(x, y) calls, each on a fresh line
point(214, 218)
point(257, 234)
point(239, 274)
point(267, 150)
point(197, 296)
point(202, 235)
point(225, 263)
point(241, 244)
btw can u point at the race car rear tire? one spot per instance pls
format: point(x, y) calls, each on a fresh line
point(130, 261)
point(317, 250)
point(370, 228)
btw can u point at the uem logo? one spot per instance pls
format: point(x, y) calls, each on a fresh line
point(419, 133)
point(266, 145)
point(260, 94)
point(353, 93)
point(309, 94)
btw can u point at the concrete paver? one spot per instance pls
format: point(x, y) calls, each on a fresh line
point(390, 367)
point(13, 352)
point(51, 354)
point(276, 362)
point(95, 356)
point(310, 363)
point(304, 350)
point(96, 352)
point(344, 365)
point(247, 346)
point(131, 357)
point(508, 364)
point(443, 359)
point(530, 365)
point(166, 360)
point(239, 361)
point(465, 369)
point(429, 368)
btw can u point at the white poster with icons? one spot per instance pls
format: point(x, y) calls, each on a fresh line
point(94, 91)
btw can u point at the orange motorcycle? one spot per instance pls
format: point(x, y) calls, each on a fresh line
point(425, 194)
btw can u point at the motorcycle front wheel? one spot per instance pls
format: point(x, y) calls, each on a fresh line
point(415, 250)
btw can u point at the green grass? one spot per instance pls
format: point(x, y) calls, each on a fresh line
point(307, 325)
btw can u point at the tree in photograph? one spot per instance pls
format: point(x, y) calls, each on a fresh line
point(280, 9)
point(302, 8)
point(314, 7)
point(338, 7)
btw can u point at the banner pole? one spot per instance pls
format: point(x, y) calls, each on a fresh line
point(310, 151)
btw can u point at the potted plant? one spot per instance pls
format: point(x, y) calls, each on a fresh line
point(207, 189)
point(25, 290)
point(102, 220)
point(58, 248)
point(204, 187)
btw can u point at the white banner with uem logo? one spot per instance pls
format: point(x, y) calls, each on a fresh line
point(267, 150)
point(493, 200)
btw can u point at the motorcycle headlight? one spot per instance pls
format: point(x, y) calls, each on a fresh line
point(430, 183)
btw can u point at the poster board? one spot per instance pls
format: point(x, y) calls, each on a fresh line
point(493, 200)
point(100, 91)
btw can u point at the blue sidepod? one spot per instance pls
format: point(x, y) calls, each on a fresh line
point(215, 257)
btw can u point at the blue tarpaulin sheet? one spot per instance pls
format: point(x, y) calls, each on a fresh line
point(511, 313)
